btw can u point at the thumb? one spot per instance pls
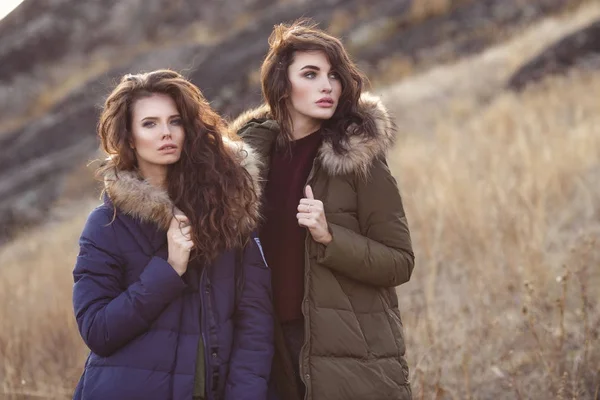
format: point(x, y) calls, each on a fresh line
point(309, 193)
point(174, 223)
point(179, 221)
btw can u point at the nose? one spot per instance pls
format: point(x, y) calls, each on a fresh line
point(326, 88)
point(166, 133)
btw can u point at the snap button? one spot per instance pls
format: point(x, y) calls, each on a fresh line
point(214, 355)
point(307, 376)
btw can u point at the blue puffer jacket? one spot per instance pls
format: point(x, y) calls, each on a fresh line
point(142, 322)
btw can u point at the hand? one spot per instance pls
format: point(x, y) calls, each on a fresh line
point(179, 240)
point(311, 215)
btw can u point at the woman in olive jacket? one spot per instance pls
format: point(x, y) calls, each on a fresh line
point(335, 233)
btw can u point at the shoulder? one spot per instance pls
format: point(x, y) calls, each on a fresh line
point(251, 118)
point(377, 178)
point(106, 234)
point(257, 128)
point(260, 134)
point(99, 227)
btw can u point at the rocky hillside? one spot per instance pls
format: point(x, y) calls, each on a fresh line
point(58, 59)
point(579, 49)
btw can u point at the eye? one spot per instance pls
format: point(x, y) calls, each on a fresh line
point(148, 124)
point(334, 75)
point(310, 75)
point(176, 121)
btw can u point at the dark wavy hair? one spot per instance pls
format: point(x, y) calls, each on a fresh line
point(207, 183)
point(304, 35)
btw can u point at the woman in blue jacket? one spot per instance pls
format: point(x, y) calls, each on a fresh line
point(172, 293)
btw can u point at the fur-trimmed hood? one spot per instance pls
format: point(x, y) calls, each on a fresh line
point(362, 150)
point(137, 198)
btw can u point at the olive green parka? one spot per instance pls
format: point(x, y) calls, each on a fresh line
point(354, 347)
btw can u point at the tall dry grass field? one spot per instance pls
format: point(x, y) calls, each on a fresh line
point(41, 352)
point(504, 208)
point(502, 192)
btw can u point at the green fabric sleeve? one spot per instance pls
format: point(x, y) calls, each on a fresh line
point(382, 253)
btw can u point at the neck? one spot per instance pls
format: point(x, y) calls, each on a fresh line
point(156, 175)
point(304, 126)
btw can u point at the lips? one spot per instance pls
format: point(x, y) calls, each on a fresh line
point(325, 101)
point(167, 147)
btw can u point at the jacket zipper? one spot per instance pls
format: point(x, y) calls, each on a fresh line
point(303, 375)
point(203, 308)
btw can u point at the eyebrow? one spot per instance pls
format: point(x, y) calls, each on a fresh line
point(153, 118)
point(310, 67)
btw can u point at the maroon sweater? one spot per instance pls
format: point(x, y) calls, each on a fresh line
point(282, 238)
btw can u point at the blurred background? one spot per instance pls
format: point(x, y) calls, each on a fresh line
point(498, 160)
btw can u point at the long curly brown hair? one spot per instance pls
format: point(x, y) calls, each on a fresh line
point(304, 35)
point(207, 183)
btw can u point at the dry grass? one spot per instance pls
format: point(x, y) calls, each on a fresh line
point(40, 348)
point(505, 214)
point(503, 198)
point(423, 9)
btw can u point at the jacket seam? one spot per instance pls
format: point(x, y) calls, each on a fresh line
point(385, 311)
point(370, 360)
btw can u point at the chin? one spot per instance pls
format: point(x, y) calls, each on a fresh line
point(323, 115)
point(168, 160)
point(173, 160)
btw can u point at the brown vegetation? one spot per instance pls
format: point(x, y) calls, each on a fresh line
point(505, 214)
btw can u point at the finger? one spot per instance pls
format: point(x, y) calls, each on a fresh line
point(309, 193)
point(312, 202)
point(182, 221)
point(178, 213)
point(186, 244)
point(307, 222)
point(311, 215)
point(306, 217)
point(174, 223)
point(305, 208)
point(179, 218)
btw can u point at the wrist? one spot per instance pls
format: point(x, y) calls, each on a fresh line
point(327, 238)
point(178, 270)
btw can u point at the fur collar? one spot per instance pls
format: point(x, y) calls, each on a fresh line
point(137, 198)
point(362, 150)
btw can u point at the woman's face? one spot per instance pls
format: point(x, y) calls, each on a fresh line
point(315, 87)
point(157, 131)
